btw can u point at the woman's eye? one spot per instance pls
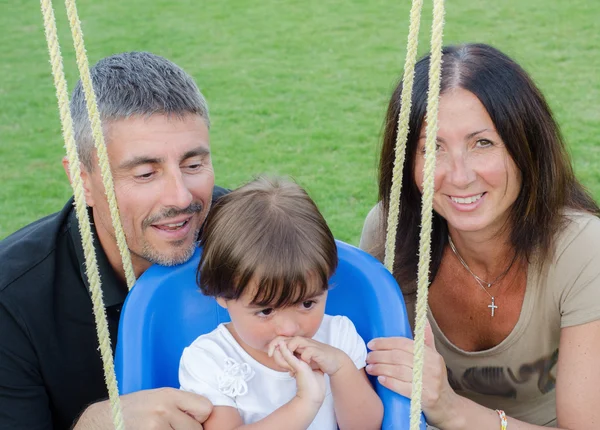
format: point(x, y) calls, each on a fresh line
point(483, 143)
point(437, 148)
point(265, 312)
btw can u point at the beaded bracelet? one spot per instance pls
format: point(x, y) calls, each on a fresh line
point(503, 421)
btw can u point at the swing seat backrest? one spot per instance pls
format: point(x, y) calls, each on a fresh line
point(165, 312)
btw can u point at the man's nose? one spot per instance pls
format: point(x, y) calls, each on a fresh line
point(176, 193)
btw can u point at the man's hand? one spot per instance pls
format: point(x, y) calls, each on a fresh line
point(160, 409)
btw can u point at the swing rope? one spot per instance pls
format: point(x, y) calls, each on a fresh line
point(94, 115)
point(428, 183)
point(435, 71)
point(402, 134)
point(92, 271)
point(85, 230)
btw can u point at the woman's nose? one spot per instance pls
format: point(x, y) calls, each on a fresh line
point(459, 171)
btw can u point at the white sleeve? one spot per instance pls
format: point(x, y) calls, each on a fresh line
point(198, 373)
point(348, 340)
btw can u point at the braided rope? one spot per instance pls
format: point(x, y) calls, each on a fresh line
point(435, 71)
point(92, 108)
point(402, 134)
point(91, 265)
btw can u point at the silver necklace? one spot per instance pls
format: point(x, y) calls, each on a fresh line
point(480, 281)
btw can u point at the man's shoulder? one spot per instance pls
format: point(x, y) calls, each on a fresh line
point(218, 192)
point(30, 246)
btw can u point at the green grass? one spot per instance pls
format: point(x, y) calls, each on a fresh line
point(296, 88)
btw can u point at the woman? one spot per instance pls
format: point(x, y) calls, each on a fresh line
point(515, 274)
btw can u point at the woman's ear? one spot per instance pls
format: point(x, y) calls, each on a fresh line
point(222, 302)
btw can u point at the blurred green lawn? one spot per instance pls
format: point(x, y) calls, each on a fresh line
point(297, 88)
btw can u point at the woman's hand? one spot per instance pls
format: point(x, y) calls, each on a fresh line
point(310, 382)
point(391, 360)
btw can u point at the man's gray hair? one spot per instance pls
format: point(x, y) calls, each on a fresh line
point(133, 84)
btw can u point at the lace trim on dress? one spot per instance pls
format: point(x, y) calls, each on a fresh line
point(233, 381)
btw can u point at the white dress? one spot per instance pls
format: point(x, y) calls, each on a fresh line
point(217, 367)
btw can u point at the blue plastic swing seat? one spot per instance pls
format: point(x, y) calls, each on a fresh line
point(166, 311)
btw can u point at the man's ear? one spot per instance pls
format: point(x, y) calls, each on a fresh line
point(222, 302)
point(86, 179)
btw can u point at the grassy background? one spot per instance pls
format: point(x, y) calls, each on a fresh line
point(296, 88)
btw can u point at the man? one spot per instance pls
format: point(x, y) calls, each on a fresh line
point(155, 123)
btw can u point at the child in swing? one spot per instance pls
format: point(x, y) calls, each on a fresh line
point(281, 363)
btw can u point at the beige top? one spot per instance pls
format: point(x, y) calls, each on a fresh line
point(519, 374)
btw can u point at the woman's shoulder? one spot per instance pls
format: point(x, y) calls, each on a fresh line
point(573, 275)
point(373, 232)
point(580, 234)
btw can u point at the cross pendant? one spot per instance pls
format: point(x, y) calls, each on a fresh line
point(493, 306)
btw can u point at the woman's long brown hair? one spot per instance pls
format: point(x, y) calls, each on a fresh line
point(524, 122)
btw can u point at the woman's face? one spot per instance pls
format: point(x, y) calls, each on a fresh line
point(476, 180)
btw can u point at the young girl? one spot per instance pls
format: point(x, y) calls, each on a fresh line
point(281, 362)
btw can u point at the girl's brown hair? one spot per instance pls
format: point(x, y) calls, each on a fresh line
point(268, 233)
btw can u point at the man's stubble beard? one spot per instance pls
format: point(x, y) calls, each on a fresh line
point(176, 256)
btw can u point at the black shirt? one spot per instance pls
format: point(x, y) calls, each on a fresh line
point(50, 366)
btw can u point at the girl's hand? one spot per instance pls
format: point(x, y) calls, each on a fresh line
point(311, 383)
point(318, 355)
point(391, 360)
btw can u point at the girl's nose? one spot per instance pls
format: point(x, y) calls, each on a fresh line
point(286, 327)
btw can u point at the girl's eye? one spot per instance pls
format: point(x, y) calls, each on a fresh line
point(308, 304)
point(265, 312)
point(484, 143)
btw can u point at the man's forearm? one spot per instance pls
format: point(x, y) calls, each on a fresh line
point(97, 416)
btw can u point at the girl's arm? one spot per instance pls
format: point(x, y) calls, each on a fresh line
point(294, 415)
point(357, 405)
point(297, 414)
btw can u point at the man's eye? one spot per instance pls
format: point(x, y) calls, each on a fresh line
point(265, 312)
point(194, 166)
point(147, 175)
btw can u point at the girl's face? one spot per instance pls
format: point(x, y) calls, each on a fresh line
point(255, 327)
point(476, 180)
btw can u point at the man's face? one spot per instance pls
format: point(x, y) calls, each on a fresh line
point(163, 179)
